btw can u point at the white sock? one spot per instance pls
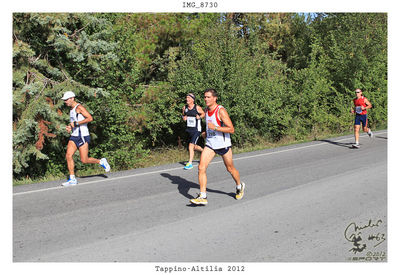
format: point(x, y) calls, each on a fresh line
point(238, 187)
point(203, 195)
point(71, 177)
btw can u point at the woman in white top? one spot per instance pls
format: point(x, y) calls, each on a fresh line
point(80, 138)
point(218, 141)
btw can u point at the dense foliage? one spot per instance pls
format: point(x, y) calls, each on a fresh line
point(278, 75)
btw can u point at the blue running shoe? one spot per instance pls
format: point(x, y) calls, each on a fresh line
point(188, 166)
point(70, 182)
point(105, 165)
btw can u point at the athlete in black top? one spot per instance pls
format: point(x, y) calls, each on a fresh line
point(192, 115)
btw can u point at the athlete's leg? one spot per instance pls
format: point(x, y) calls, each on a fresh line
point(198, 148)
point(365, 125)
point(71, 149)
point(228, 161)
point(191, 152)
point(206, 156)
point(194, 137)
point(192, 148)
point(84, 151)
point(366, 129)
point(357, 132)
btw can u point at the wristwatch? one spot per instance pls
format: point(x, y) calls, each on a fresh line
point(216, 127)
point(76, 123)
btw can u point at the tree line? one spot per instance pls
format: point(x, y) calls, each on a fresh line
point(278, 74)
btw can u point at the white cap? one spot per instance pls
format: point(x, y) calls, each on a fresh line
point(67, 95)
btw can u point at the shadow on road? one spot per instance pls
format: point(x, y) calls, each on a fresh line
point(343, 144)
point(184, 186)
point(93, 176)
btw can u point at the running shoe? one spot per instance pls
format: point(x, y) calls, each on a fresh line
point(188, 166)
point(105, 165)
point(70, 182)
point(199, 200)
point(240, 192)
point(356, 145)
point(370, 134)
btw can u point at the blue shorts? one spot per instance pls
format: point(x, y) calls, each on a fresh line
point(194, 136)
point(361, 119)
point(221, 151)
point(79, 141)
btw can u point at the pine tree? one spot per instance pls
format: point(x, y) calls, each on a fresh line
point(52, 53)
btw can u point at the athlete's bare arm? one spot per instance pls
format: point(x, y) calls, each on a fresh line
point(82, 110)
point(228, 126)
point(369, 105)
point(184, 117)
point(68, 128)
point(200, 111)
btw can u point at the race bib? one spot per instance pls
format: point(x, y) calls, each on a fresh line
point(191, 121)
point(211, 133)
point(358, 110)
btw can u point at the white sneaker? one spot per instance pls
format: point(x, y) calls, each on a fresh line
point(240, 192)
point(70, 182)
point(105, 165)
point(370, 134)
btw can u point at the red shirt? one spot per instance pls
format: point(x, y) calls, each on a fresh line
point(358, 102)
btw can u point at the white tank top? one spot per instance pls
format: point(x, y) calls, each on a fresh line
point(82, 130)
point(216, 139)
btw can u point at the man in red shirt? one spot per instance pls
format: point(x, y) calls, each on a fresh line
point(361, 104)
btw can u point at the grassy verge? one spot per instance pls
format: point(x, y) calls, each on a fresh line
point(161, 156)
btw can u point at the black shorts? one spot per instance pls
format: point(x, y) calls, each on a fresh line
point(221, 151)
point(194, 136)
point(361, 119)
point(79, 141)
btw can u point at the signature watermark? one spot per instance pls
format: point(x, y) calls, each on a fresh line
point(366, 240)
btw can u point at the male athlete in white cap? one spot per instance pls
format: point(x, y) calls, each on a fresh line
point(80, 138)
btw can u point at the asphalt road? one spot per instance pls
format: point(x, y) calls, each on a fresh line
point(301, 202)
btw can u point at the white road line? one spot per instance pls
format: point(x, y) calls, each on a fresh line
point(90, 182)
point(179, 168)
